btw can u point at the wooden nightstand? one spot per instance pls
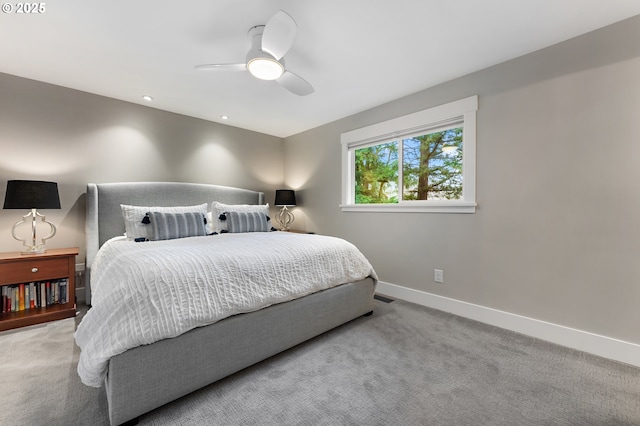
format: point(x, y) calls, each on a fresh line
point(57, 298)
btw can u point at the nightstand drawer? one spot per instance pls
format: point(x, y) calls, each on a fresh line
point(28, 270)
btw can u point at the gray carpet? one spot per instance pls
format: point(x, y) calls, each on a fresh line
point(405, 365)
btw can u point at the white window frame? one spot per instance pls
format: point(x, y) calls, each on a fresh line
point(421, 122)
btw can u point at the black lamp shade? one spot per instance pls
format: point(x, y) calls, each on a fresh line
point(31, 194)
point(285, 197)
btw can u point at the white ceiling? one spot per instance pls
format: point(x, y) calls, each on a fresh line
point(356, 53)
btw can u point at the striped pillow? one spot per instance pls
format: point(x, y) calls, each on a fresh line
point(168, 226)
point(218, 209)
point(246, 222)
point(134, 215)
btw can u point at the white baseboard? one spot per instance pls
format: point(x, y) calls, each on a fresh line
point(595, 344)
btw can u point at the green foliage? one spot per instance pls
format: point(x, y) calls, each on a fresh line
point(376, 174)
point(428, 172)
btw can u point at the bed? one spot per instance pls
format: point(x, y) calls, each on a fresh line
point(147, 376)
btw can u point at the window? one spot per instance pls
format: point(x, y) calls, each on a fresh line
point(420, 162)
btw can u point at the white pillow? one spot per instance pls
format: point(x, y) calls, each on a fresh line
point(218, 208)
point(133, 216)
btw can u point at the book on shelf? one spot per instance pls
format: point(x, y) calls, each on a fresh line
point(32, 295)
point(43, 294)
point(21, 297)
point(27, 296)
point(40, 294)
point(64, 286)
point(4, 307)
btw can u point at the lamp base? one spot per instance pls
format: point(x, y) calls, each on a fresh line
point(33, 248)
point(285, 218)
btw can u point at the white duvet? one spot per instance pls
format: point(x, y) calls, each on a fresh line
point(145, 292)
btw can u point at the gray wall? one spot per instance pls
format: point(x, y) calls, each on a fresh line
point(52, 133)
point(556, 234)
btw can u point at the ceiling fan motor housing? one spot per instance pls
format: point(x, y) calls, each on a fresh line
point(262, 64)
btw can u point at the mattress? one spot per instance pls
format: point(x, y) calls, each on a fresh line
point(154, 290)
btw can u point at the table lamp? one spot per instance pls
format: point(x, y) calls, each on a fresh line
point(32, 194)
point(284, 198)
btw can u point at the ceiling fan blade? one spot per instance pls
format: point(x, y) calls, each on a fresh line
point(295, 84)
point(222, 67)
point(279, 34)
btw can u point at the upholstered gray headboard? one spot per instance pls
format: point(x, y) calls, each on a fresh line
point(104, 216)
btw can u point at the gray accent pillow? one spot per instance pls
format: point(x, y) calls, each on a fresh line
point(133, 216)
point(169, 226)
point(217, 209)
point(247, 222)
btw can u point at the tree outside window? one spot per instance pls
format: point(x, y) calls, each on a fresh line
point(432, 166)
point(377, 174)
point(420, 162)
point(431, 169)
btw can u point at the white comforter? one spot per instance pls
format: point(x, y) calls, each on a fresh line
point(145, 292)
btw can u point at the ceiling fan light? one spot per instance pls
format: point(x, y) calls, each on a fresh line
point(265, 68)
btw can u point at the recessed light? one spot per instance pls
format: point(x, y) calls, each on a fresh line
point(224, 117)
point(147, 98)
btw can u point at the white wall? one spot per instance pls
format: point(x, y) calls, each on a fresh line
point(556, 235)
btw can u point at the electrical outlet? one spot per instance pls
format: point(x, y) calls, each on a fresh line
point(79, 268)
point(438, 275)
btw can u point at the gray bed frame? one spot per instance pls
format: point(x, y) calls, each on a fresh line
point(147, 377)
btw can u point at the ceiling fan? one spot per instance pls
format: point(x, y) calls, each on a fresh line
point(265, 61)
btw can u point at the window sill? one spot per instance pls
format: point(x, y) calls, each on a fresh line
point(437, 207)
